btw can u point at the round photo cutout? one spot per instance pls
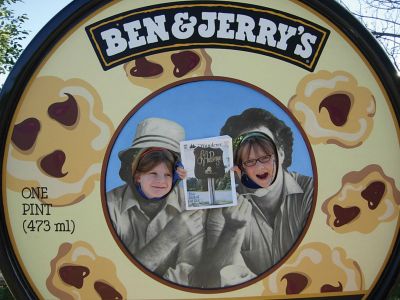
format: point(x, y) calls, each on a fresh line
point(209, 184)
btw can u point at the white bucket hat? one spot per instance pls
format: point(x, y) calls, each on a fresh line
point(156, 132)
point(151, 132)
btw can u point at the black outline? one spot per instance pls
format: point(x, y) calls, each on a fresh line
point(47, 38)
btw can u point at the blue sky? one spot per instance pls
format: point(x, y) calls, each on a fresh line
point(39, 13)
point(211, 103)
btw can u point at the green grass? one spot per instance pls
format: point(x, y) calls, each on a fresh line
point(5, 294)
point(395, 294)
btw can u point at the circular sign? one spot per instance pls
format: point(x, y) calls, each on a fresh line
point(168, 150)
point(228, 97)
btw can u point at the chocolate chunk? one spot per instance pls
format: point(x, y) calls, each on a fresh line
point(64, 112)
point(373, 193)
point(296, 283)
point(338, 106)
point(106, 291)
point(327, 288)
point(52, 164)
point(184, 62)
point(344, 215)
point(145, 68)
point(73, 275)
point(25, 133)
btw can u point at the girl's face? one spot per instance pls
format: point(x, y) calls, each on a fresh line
point(259, 166)
point(157, 182)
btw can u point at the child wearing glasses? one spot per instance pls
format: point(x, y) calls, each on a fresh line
point(246, 240)
point(256, 159)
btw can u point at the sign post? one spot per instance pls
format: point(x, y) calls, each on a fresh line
point(209, 165)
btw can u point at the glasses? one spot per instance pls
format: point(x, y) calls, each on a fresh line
point(252, 162)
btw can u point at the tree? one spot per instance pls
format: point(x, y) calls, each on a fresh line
point(11, 34)
point(223, 183)
point(382, 19)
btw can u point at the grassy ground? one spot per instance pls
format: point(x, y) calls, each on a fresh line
point(395, 295)
point(5, 294)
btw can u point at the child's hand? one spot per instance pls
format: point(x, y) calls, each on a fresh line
point(181, 172)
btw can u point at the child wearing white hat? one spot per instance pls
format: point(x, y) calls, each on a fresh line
point(148, 211)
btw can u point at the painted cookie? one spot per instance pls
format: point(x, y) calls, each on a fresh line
point(366, 198)
point(77, 272)
point(58, 140)
point(334, 109)
point(313, 269)
point(156, 71)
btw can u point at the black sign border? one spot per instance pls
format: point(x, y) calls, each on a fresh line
point(75, 12)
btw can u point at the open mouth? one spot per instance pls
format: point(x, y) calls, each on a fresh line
point(262, 176)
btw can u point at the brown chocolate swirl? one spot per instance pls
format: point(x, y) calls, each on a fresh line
point(145, 68)
point(106, 291)
point(74, 275)
point(338, 106)
point(373, 193)
point(25, 133)
point(296, 283)
point(65, 112)
point(184, 62)
point(52, 164)
point(344, 215)
point(327, 288)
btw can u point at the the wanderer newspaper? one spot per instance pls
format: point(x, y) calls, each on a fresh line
point(210, 181)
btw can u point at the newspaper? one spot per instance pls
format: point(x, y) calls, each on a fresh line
point(210, 182)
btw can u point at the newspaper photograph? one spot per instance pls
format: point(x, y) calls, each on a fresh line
point(210, 181)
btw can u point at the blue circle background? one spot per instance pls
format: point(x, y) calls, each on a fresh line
point(202, 107)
